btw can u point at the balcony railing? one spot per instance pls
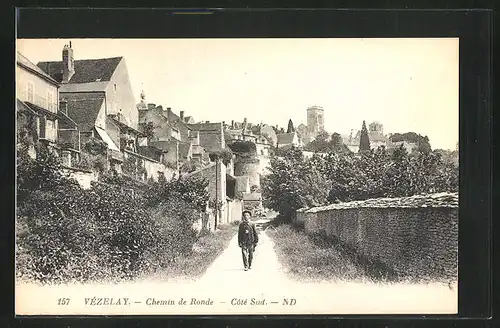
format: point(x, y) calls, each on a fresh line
point(113, 154)
point(39, 101)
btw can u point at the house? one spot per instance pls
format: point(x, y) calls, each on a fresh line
point(40, 116)
point(288, 140)
point(37, 105)
point(106, 76)
point(375, 135)
point(222, 190)
point(171, 133)
point(211, 135)
point(98, 97)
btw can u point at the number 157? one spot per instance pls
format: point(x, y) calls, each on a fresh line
point(63, 301)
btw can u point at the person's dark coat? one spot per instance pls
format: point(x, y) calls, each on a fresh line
point(247, 234)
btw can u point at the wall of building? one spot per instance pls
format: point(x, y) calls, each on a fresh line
point(153, 168)
point(113, 131)
point(211, 140)
point(211, 135)
point(409, 235)
point(163, 130)
point(216, 186)
point(41, 88)
point(123, 97)
point(235, 208)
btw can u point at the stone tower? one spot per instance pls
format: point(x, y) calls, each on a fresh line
point(315, 120)
point(376, 127)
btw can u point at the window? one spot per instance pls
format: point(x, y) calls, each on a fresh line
point(31, 92)
point(115, 86)
point(50, 130)
point(50, 101)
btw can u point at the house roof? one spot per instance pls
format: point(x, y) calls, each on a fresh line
point(107, 139)
point(189, 119)
point(206, 126)
point(22, 107)
point(83, 108)
point(286, 138)
point(86, 71)
point(199, 170)
point(26, 63)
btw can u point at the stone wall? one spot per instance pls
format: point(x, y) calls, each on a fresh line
point(248, 167)
point(415, 236)
point(83, 177)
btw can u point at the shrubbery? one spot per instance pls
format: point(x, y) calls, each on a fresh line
point(115, 230)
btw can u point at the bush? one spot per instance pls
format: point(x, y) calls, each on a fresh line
point(66, 233)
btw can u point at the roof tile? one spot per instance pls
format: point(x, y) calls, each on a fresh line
point(86, 71)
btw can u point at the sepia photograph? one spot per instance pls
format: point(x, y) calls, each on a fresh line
point(237, 176)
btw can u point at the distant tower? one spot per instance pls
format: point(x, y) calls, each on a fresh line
point(315, 120)
point(376, 127)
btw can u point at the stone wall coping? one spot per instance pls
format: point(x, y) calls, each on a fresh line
point(437, 200)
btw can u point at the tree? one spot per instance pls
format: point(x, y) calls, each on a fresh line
point(290, 128)
point(243, 147)
point(423, 143)
point(149, 129)
point(320, 143)
point(364, 140)
point(294, 183)
point(224, 154)
point(336, 144)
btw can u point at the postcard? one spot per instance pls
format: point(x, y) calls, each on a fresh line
point(237, 176)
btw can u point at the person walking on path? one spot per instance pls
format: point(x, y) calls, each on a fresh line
point(247, 239)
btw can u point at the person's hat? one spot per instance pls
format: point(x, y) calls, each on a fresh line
point(246, 211)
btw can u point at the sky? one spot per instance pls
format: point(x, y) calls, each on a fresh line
point(408, 85)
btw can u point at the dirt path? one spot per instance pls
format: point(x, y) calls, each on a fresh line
point(266, 272)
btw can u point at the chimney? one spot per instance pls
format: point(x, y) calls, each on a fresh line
point(68, 63)
point(232, 124)
point(63, 106)
point(182, 115)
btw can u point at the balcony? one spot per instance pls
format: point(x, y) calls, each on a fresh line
point(115, 155)
point(40, 101)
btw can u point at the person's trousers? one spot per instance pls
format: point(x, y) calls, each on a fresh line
point(247, 254)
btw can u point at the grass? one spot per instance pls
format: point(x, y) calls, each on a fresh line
point(305, 260)
point(204, 252)
point(314, 258)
